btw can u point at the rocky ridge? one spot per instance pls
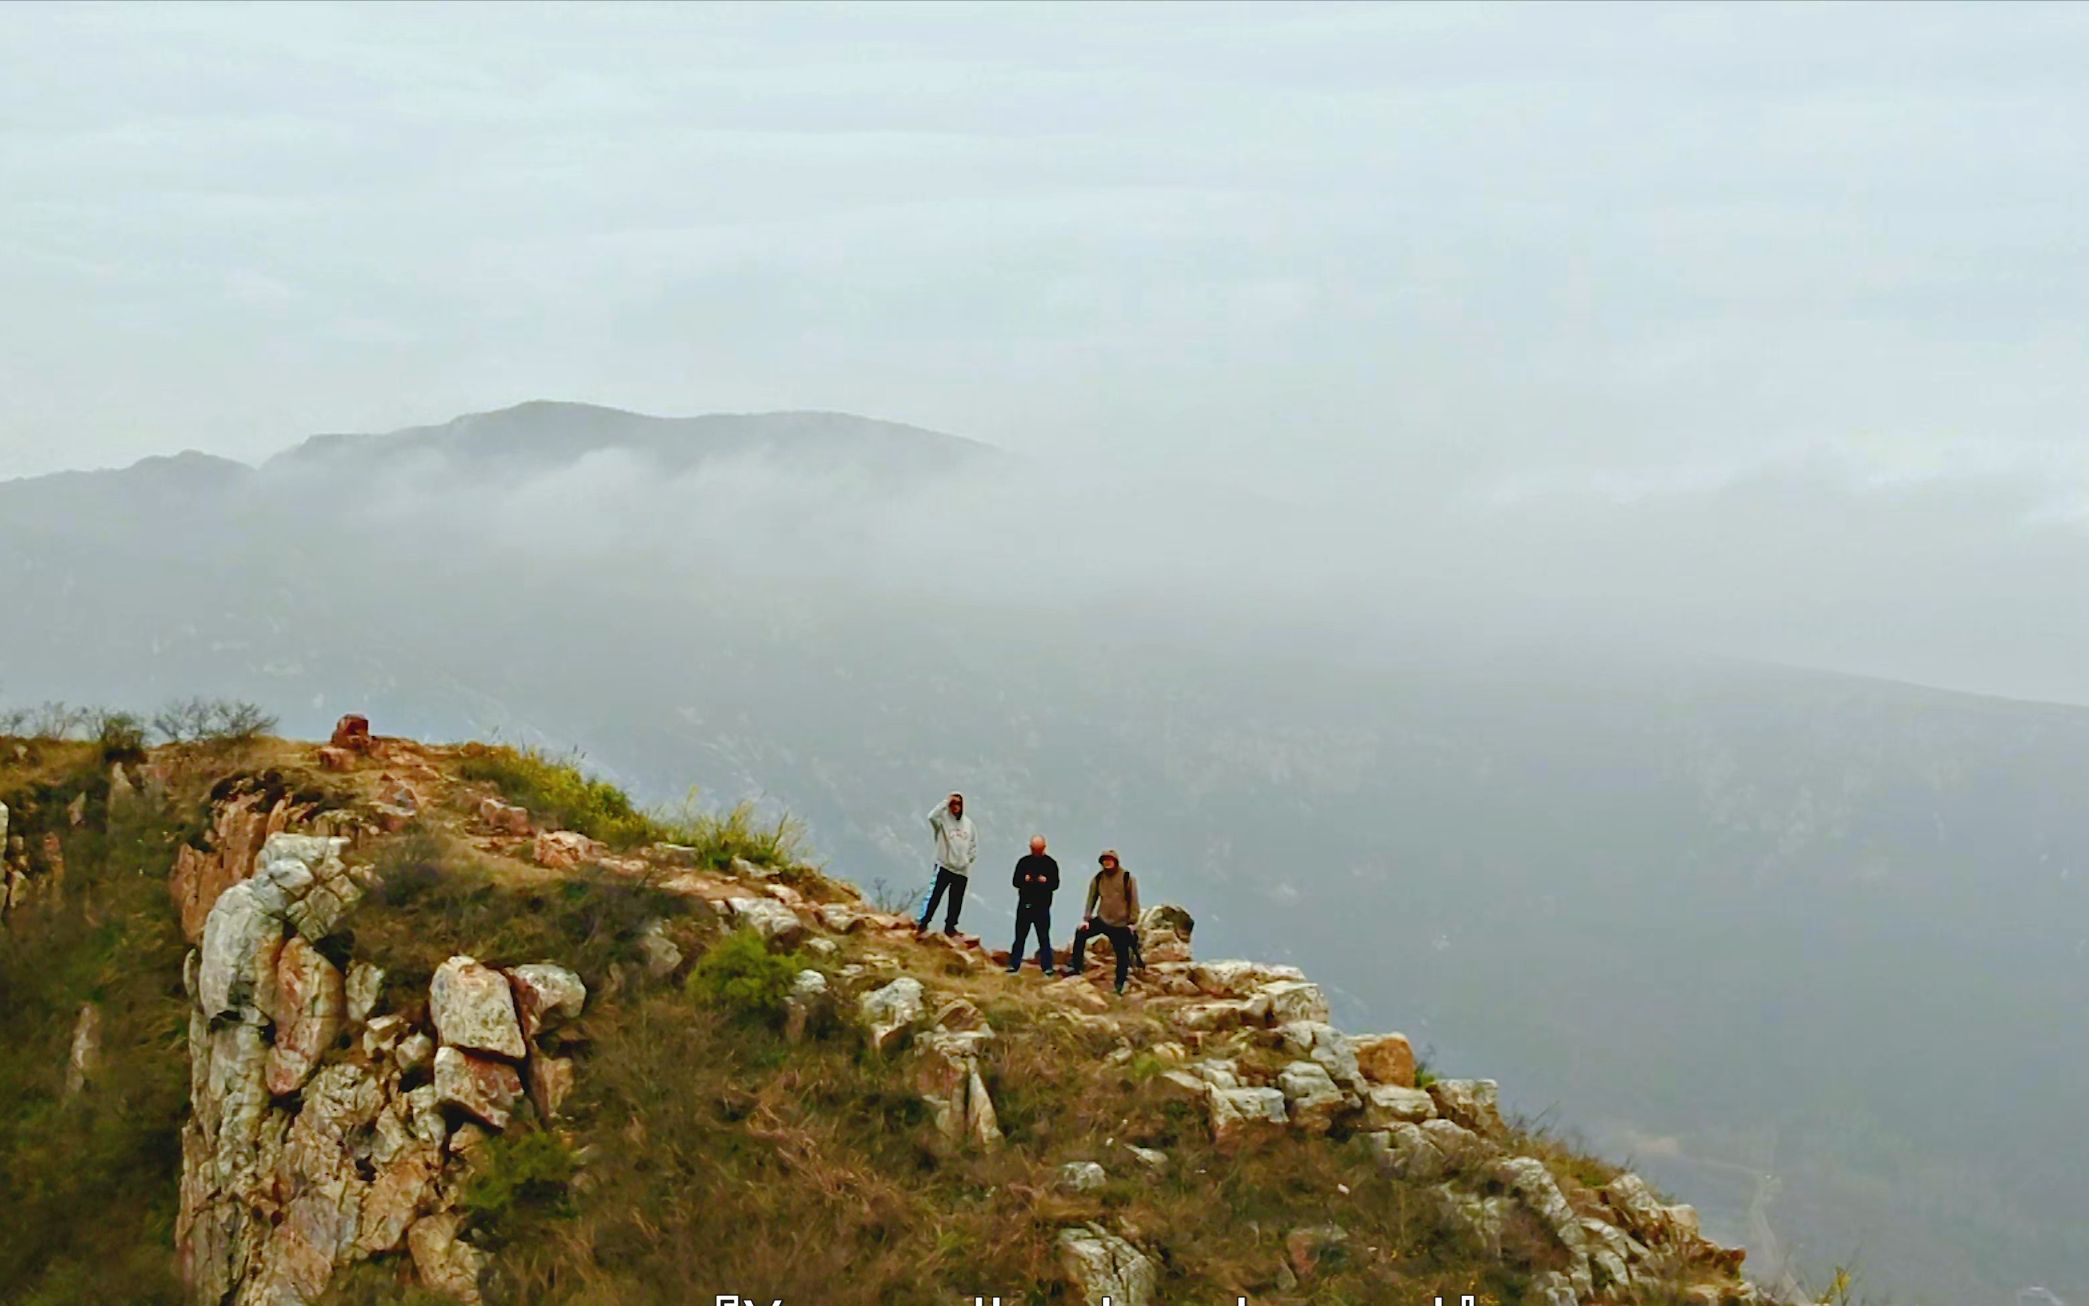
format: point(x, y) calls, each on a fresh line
point(335, 1117)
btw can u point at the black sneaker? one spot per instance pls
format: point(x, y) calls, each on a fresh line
point(1013, 969)
point(1049, 973)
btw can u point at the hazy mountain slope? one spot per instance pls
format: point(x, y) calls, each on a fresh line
point(1771, 931)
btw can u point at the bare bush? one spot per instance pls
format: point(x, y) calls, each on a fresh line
point(212, 722)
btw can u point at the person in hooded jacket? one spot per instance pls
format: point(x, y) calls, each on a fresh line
point(1111, 910)
point(957, 846)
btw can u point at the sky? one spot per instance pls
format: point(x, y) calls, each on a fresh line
point(1724, 296)
point(1624, 247)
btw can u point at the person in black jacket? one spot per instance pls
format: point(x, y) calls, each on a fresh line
point(1036, 877)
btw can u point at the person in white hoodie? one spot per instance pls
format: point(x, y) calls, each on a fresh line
point(956, 848)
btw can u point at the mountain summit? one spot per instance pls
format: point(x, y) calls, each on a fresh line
point(544, 433)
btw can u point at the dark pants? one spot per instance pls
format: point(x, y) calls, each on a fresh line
point(1121, 943)
point(1029, 916)
point(951, 881)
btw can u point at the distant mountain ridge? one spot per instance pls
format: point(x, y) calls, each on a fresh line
point(536, 435)
point(544, 434)
point(1738, 910)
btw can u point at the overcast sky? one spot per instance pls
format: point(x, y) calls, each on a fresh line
point(1630, 248)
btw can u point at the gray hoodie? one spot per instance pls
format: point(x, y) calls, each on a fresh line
point(956, 844)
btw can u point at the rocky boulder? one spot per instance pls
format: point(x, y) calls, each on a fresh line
point(83, 1058)
point(1235, 1112)
point(363, 990)
point(546, 995)
point(1081, 1177)
point(1539, 1192)
point(1164, 933)
point(1104, 1268)
point(949, 1081)
point(1385, 1058)
point(1473, 1103)
point(1307, 1248)
point(1239, 979)
point(445, 1262)
point(841, 918)
point(474, 1009)
point(1311, 1098)
point(566, 850)
point(890, 1011)
point(310, 1006)
point(1289, 1000)
point(480, 1086)
point(549, 1081)
point(767, 917)
point(1326, 1046)
point(1430, 1150)
point(504, 818)
point(1386, 1105)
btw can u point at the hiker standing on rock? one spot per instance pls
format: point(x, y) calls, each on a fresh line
point(1112, 906)
point(956, 846)
point(1036, 879)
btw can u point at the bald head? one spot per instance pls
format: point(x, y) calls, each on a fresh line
point(1037, 843)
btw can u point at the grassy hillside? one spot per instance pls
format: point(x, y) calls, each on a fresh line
point(710, 1144)
point(90, 1175)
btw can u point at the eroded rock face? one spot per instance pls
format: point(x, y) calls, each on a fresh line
point(309, 1006)
point(1103, 1267)
point(950, 1083)
point(474, 1009)
point(304, 1154)
point(238, 829)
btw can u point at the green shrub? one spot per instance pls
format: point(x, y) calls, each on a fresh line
point(740, 975)
point(557, 793)
point(119, 735)
point(737, 832)
point(520, 1173)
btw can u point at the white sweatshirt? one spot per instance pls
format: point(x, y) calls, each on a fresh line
point(956, 844)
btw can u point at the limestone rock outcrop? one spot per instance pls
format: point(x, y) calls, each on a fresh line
point(1105, 1268)
point(238, 829)
point(310, 1004)
point(306, 1152)
point(890, 1011)
point(474, 1009)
